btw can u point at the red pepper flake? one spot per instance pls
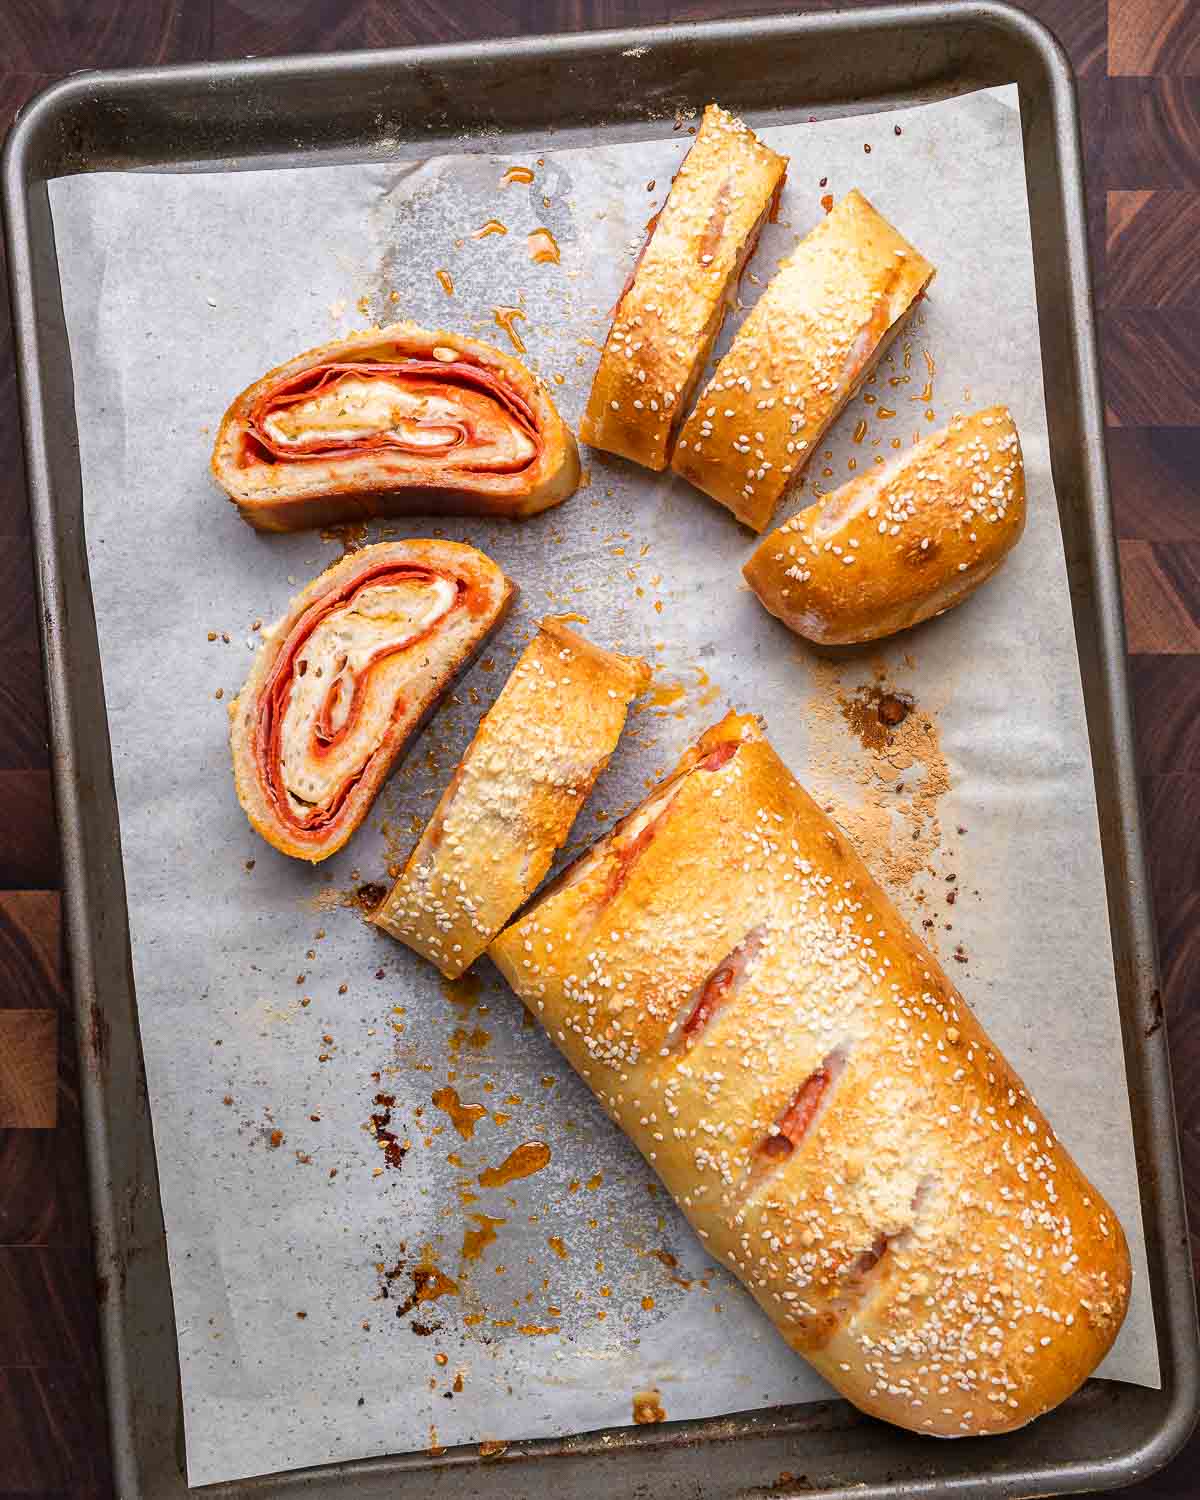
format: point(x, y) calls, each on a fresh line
point(378, 973)
point(302, 1315)
point(866, 148)
point(228, 1099)
point(342, 988)
point(276, 1139)
point(824, 182)
point(898, 130)
point(250, 864)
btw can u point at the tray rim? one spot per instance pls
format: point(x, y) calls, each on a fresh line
point(1179, 1354)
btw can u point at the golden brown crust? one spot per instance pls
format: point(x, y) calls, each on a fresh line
point(746, 1002)
point(900, 543)
point(297, 494)
point(813, 337)
point(511, 803)
point(672, 310)
point(417, 677)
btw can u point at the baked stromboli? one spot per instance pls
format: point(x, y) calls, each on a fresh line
point(681, 286)
point(346, 679)
point(391, 423)
point(813, 337)
point(903, 541)
point(511, 803)
point(746, 1002)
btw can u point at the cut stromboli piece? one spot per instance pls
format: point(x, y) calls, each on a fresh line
point(682, 285)
point(902, 542)
point(814, 336)
point(394, 422)
point(347, 677)
point(922, 1237)
point(511, 803)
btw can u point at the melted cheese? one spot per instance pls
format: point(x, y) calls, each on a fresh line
point(418, 415)
point(341, 660)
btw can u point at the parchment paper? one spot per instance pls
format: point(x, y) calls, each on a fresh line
point(272, 1016)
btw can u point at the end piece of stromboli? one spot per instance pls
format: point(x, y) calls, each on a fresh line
point(681, 286)
point(346, 679)
point(902, 542)
point(514, 797)
point(394, 422)
point(748, 1005)
point(827, 316)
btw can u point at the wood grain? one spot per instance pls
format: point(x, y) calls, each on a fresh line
point(28, 1074)
point(1171, 810)
point(1153, 36)
point(1161, 590)
point(1150, 129)
point(1149, 366)
point(44, 1200)
point(1153, 473)
point(1166, 710)
point(1151, 258)
point(31, 855)
point(68, 34)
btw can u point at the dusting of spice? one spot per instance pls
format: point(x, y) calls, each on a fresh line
point(524, 1161)
point(367, 897)
point(464, 1117)
point(504, 317)
point(648, 1407)
point(476, 1241)
point(543, 247)
point(516, 174)
point(493, 226)
point(393, 1148)
point(872, 711)
point(557, 1246)
point(891, 818)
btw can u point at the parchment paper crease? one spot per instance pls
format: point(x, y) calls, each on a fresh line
point(179, 290)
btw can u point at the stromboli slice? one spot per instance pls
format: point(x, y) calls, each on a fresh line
point(838, 1128)
point(346, 679)
point(511, 803)
point(813, 337)
point(902, 542)
point(681, 286)
point(397, 421)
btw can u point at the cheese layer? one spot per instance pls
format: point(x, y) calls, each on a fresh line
point(417, 414)
point(348, 682)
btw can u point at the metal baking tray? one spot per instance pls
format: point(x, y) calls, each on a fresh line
point(501, 96)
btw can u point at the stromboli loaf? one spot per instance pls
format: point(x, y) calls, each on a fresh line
point(816, 333)
point(746, 1002)
point(347, 677)
point(680, 289)
point(511, 803)
point(393, 422)
point(901, 542)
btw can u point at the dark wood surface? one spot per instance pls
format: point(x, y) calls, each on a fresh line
point(1138, 64)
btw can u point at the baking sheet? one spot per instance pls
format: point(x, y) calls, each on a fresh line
point(179, 290)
